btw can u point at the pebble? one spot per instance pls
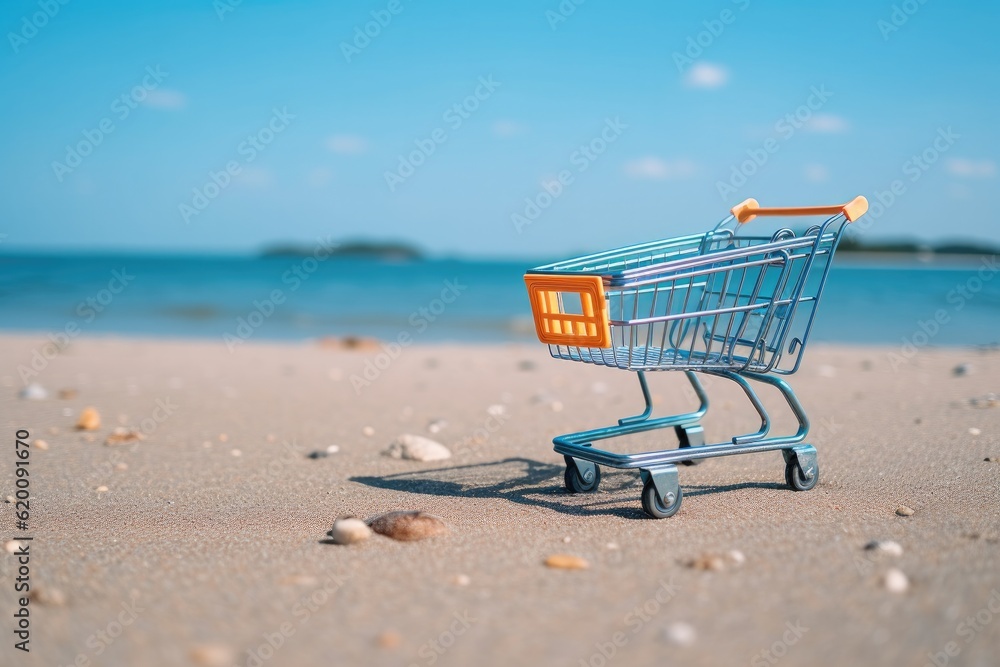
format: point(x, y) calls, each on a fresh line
point(236, 452)
point(681, 634)
point(612, 546)
point(992, 459)
point(368, 431)
point(101, 489)
point(408, 526)
point(323, 453)
point(9, 499)
point(903, 510)
point(11, 546)
point(41, 444)
point(496, 410)
point(417, 448)
point(708, 562)
point(990, 400)
point(974, 431)
point(736, 557)
point(121, 465)
point(213, 655)
point(566, 562)
point(961, 369)
point(436, 425)
point(895, 581)
point(461, 580)
point(887, 547)
point(49, 597)
point(89, 420)
point(389, 639)
point(223, 437)
point(67, 394)
point(123, 436)
point(349, 530)
point(34, 392)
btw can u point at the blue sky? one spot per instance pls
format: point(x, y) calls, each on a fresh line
point(319, 138)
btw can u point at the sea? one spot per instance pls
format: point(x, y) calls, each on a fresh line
point(868, 300)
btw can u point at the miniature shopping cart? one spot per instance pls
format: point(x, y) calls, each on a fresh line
point(723, 303)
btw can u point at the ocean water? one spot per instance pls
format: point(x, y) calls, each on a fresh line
point(287, 298)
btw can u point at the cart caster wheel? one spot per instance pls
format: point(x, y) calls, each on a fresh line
point(654, 506)
point(797, 478)
point(577, 480)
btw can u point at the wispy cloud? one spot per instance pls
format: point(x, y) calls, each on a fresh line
point(968, 168)
point(507, 128)
point(347, 144)
point(827, 123)
point(706, 75)
point(657, 169)
point(816, 173)
point(164, 98)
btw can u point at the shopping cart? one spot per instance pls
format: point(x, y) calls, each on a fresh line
point(721, 303)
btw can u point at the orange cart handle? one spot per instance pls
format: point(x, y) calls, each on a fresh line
point(747, 210)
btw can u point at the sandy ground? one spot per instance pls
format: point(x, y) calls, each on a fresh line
point(210, 532)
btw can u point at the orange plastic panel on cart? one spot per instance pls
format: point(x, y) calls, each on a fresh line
point(557, 327)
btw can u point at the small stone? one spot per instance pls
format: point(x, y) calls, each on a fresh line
point(990, 400)
point(886, 547)
point(389, 639)
point(41, 444)
point(49, 597)
point(318, 454)
point(436, 425)
point(121, 465)
point(213, 655)
point(974, 431)
point(567, 539)
point(903, 510)
point(566, 562)
point(223, 437)
point(102, 489)
point(368, 431)
point(349, 530)
point(736, 557)
point(67, 394)
point(123, 436)
point(9, 499)
point(408, 526)
point(11, 546)
point(332, 449)
point(961, 369)
point(681, 634)
point(89, 420)
point(236, 452)
point(612, 546)
point(496, 410)
point(895, 581)
point(417, 448)
point(34, 392)
point(461, 580)
point(708, 562)
point(992, 459)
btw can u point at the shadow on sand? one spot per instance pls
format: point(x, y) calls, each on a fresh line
point(531, 482)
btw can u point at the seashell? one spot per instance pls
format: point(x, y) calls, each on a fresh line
point(417, 448)
point(408, 526)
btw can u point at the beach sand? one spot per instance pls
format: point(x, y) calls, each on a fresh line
point(208, 544)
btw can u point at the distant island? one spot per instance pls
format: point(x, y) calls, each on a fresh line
point(850, 244)
point(389, 250)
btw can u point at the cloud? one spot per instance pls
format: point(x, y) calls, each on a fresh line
point(967, 168)
point(507, 128)
point(347, 144)
point(827, 123)
point(164, 98)
point(656, 169)
point(706, 75)
point(319, 177)
point(816, 173)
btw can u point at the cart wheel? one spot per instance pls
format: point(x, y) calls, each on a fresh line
point(575, 483)
point(796, 478)
point(653, 505)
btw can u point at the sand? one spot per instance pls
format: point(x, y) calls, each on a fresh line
point(208, 545)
